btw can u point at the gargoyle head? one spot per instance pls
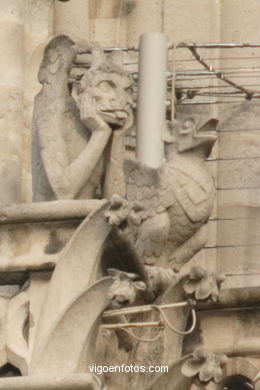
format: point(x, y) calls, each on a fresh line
point(58, 55)
point(108, 87)
point(190, 132)
point(125, 288)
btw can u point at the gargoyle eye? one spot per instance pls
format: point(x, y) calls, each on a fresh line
point(188, 124)
point(106, 86)
point(129, 90)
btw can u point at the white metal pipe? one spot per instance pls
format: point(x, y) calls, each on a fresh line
point(142, 309)
point(151, 112)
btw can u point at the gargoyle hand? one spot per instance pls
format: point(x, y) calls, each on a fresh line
point(89, 115)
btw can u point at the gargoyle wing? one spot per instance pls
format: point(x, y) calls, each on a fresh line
point(193, 191)
point(142, 183)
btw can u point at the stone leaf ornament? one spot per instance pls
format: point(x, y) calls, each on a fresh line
point(200, 367)
point(203, 284)
point(206, 365)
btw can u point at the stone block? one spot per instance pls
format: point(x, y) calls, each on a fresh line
point(206, 258)
point(107, 32)
point(10, 177)
point(239, 260)
point(242, 116)
point(240, 21)
point(11, 68)
point(238, 203)
point(143, 16)
point(239, 144)
point(12, 11)
point(238, 174)
point(105, 9)
point(242, 232)
point(185, 21)
point(228, 330)
point(72, 18)
point(32, 246)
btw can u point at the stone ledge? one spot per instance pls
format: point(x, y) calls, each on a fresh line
point(59, 210)
point(71, 382)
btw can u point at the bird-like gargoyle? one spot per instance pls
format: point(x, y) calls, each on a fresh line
point(167, 209)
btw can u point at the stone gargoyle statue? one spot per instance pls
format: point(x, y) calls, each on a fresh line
point(72, 130)
point(167, 209)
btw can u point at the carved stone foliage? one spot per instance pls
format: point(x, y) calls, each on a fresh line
point(205, 364)
point(203, 284)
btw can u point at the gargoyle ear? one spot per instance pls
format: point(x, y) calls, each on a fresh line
point(168, 131)
point(140, 286)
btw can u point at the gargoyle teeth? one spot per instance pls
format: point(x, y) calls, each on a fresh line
point(121, 114)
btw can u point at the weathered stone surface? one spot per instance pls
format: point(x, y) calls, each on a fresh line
point(103, 9)
point(144, 16)
point(244, 232)
point(65, 15)
point(238, 203)
point(241, 144)
point(207, 17)
point(239, 260)
point(33, 246)
point(237, 14)
point(69, 382)
point(238, 335)
point(236, 174)
point(242, 116)
point(11, 95)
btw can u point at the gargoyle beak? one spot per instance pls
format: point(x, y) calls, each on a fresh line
point(206, 135)
point(208, 127)
point(207, 131)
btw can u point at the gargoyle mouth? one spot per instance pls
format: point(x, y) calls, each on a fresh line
point(119, 114)
point(114, 117)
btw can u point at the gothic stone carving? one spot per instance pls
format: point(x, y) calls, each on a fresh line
point(167, 208)
point(68, 143)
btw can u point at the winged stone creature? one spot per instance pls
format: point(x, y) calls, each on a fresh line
point(166, 209)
